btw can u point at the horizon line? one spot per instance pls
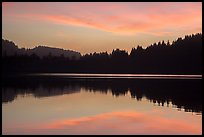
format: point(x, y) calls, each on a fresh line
point(82, 54)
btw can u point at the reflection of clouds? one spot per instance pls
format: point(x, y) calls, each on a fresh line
point(124, 123)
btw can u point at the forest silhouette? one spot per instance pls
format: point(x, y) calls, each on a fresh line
point(182, 56)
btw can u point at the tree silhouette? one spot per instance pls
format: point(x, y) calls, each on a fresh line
point(183, 56)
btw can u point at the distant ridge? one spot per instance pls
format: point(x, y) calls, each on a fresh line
point(10, 49)
point(183, 57)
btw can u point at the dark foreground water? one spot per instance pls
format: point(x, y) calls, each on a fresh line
point(102, 104)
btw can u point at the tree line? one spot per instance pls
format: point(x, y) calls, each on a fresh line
point(182, 56)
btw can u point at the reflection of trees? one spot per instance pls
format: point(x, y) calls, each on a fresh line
point(36, 87)
point(182, 93)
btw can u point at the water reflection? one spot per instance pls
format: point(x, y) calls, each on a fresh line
point(184, 94)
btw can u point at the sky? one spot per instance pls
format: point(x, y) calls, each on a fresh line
point(89, 27)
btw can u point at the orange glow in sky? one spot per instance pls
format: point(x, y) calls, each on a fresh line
point(133, 123)
point(98, 26)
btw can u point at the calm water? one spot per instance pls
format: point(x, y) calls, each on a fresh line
point(102, 104)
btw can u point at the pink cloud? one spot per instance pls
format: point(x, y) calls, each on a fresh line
point(123, 18)
point(124, 123)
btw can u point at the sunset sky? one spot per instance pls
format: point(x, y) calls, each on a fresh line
point(98, 26)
